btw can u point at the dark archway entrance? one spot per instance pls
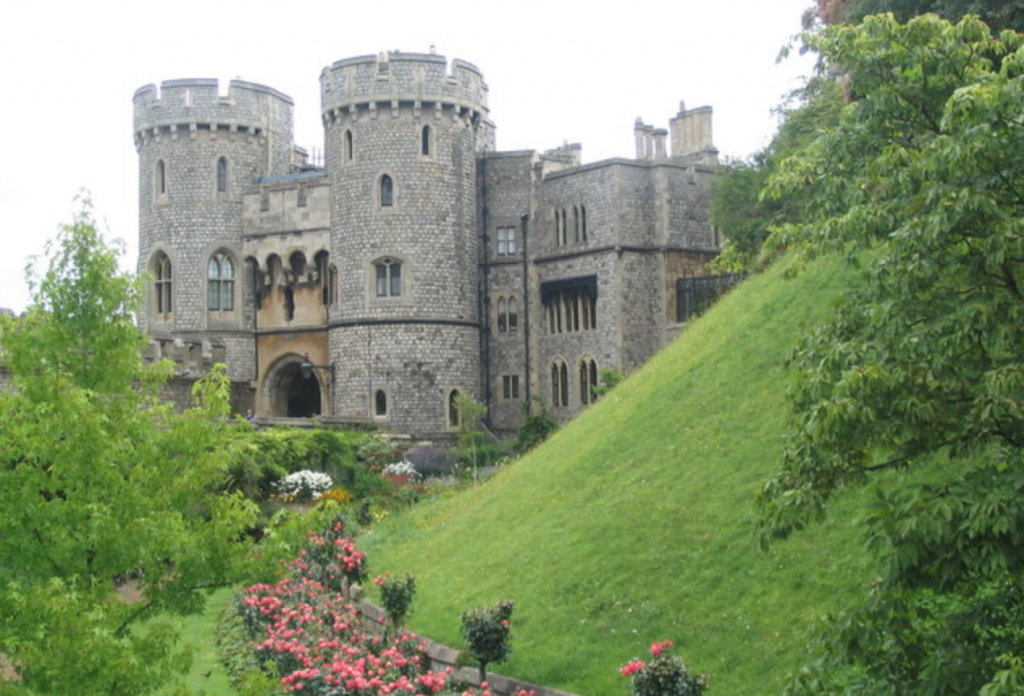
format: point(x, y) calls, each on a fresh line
point(294, 394)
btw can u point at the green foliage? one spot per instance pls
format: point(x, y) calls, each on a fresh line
point(739, 209)
point(607, 382)
point(998, 14)
point(488, 634)
point(537, 426)
point(396, 597)
point(98, 481)
point(262, 458)
point(664, 675)
point(471, 413)
point(923, 365)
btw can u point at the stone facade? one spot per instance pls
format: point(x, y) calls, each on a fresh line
point(417, 262)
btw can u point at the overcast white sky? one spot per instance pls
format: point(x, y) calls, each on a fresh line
point(558, 72)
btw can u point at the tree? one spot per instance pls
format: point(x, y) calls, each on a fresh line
point(998, 14)
point(745, 216)
point(922, 368)
point(99, 483)
point(488, 634)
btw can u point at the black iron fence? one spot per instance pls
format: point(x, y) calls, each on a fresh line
point(695, 295)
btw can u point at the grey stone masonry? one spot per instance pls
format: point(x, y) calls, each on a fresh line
point(417, 262)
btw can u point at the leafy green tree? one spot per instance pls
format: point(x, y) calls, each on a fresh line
point(998, 14)
point(739, 209)
point(922, 185)
point(100, 483)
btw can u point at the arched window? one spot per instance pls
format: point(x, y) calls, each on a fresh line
point(575, 224)
point(558, 228)
point(380, 403)
point(454, 417)
point(565, 228)
point(220, 283)
point(160, 183)
point(255, 280)
point(349, 149)
point(222, 175)
point(588, 380)
point(289, 304)
point(389, 278)
point(162, 284)
point(583, 222)
point(324, 276)
point(332, 284)
point(298, 264)
point(502, 315)
point(387, 192)
point(425, 141)
point(559, 383)
point(513, 318)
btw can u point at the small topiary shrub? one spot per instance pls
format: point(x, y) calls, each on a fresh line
point(664, 675)
point(396, 597)
point(488, 634)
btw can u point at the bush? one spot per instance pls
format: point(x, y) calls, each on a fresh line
point(488, 634)
point(536, 428)
point(432, 461)
point(665, 675)
point(304, 486)
point(396, 597)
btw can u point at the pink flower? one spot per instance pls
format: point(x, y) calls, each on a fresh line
point(657, 648)
point(632, 668)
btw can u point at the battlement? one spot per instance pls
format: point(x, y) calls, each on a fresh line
point(197, 104)
point(191, 357)
point(394, 78)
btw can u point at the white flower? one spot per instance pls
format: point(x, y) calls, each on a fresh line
point(305, 483)
point(403, 468)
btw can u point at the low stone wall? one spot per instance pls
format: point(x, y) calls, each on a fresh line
point(443, 657)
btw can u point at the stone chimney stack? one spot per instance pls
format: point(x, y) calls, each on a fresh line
point(691, 134)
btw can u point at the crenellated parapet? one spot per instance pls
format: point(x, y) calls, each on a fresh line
point(191, 358)
point(394, 83)
point(185, 108)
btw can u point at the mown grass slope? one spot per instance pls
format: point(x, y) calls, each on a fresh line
point(635, 522)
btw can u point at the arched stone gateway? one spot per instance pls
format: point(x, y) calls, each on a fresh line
point(293, 392)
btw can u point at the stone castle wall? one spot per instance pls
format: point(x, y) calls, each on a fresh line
point(189, 212)
point(619, 231)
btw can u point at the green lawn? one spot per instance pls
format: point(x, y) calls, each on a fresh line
point(635, 522)
point(208, 676)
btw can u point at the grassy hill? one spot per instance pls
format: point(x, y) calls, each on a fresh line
point(635, 522)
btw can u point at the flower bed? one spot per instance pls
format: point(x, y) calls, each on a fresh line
point(307, 633)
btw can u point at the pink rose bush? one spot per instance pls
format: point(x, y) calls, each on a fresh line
point(664, 675)
point(304, 630)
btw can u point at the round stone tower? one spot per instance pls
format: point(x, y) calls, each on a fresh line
point(198, 149)
point(403, 133)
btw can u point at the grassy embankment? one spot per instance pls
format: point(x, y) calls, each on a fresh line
point(635, 522)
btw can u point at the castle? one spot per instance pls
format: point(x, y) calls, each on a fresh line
point(417, 262)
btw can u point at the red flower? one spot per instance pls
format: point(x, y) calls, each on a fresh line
point(632, 668)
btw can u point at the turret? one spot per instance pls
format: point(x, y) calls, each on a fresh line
point(403, 132)
point(198, 150)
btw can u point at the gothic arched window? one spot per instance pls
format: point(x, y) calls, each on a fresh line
point(387, 191)
point(220, 283)
point(222, 175)
point(162, 284)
